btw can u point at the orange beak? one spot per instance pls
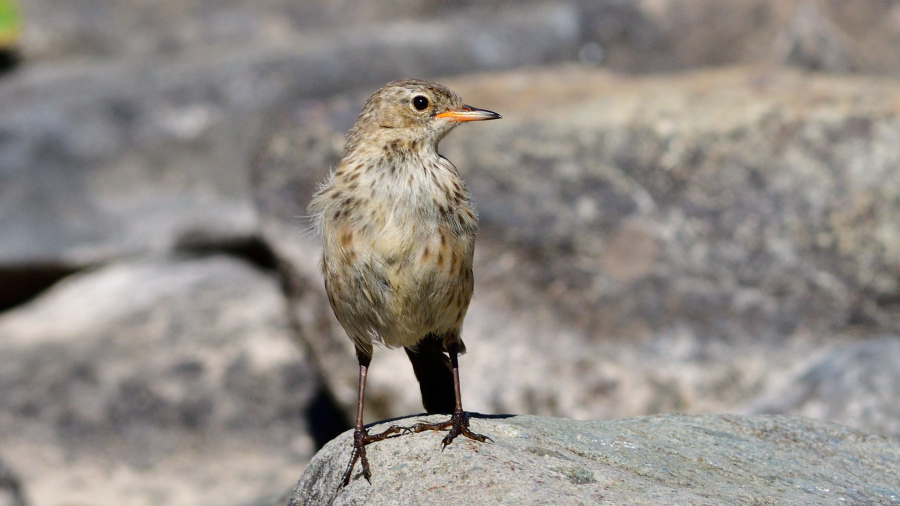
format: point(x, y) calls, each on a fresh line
point(468, 113)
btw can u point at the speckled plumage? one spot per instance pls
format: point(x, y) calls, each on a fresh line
point(397, 223)
point(398, 233)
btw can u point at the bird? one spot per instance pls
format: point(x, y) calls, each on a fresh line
point(398, 227)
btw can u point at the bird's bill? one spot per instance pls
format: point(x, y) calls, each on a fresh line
point(469, 113)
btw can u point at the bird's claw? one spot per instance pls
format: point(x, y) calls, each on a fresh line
point(361, 439)
point(458, 425)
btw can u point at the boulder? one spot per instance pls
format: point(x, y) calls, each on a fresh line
point(650, 244)
point(749, 201)
point(656, 36)
point(667, 459)
point(148, 152)
point(157, 381)
point(456, 33)
point(104, 161)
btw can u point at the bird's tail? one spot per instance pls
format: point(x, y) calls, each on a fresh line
point(435, 374)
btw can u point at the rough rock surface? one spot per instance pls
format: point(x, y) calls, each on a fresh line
point(144, 144)
point(112, 160)
point(740, 202)
point(146, 152)
point(676, 242)
point(669, 459)
point(134, 383)
point(135, 30)
point(651, 244)
point(633, 36)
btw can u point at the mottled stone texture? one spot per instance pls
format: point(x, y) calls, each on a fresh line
point(702, 241)
point(160, 374)
point(666, 459)
point(651, 244)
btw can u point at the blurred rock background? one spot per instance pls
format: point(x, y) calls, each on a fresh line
point(690, 205)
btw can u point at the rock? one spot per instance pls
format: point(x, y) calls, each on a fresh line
point(156, 381)
point(856, 384)
point(11, 493)
point(648, 244)
point(59, 31)
point(99, 162)
point(670, 459)
point(105, 159)
point(662, 35)
point(723, 223)
point(750, 201)
point(821, 35)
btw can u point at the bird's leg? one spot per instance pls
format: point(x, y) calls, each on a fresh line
point(361, 436)
point(459, 420)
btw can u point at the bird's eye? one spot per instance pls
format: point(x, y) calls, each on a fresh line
point(420, 103)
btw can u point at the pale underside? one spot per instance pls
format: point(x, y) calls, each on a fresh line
point(398, 242)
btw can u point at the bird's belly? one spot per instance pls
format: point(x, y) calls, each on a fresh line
point(395, 292)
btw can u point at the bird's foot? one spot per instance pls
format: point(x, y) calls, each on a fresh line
point(458, 424)
point(362, 438)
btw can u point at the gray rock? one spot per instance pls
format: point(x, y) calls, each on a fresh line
point(143, 147)
point(89, 29)
point(820, 35)
point(653, 36)
point(856, 384)
point(741, 202)
point(671, 459)
point(156, 381)
point(651, 244)
point(105, 159)
point(99, 162)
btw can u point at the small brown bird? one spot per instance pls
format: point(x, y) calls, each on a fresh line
point(398, 228)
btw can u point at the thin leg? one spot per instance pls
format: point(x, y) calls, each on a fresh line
point(459, 420)
point(361, 436)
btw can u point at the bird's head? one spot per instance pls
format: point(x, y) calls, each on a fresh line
point(414, 110)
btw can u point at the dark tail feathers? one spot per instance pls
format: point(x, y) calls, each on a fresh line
point(435, 375)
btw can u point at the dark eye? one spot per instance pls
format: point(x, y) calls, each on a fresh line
point(420, 103)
